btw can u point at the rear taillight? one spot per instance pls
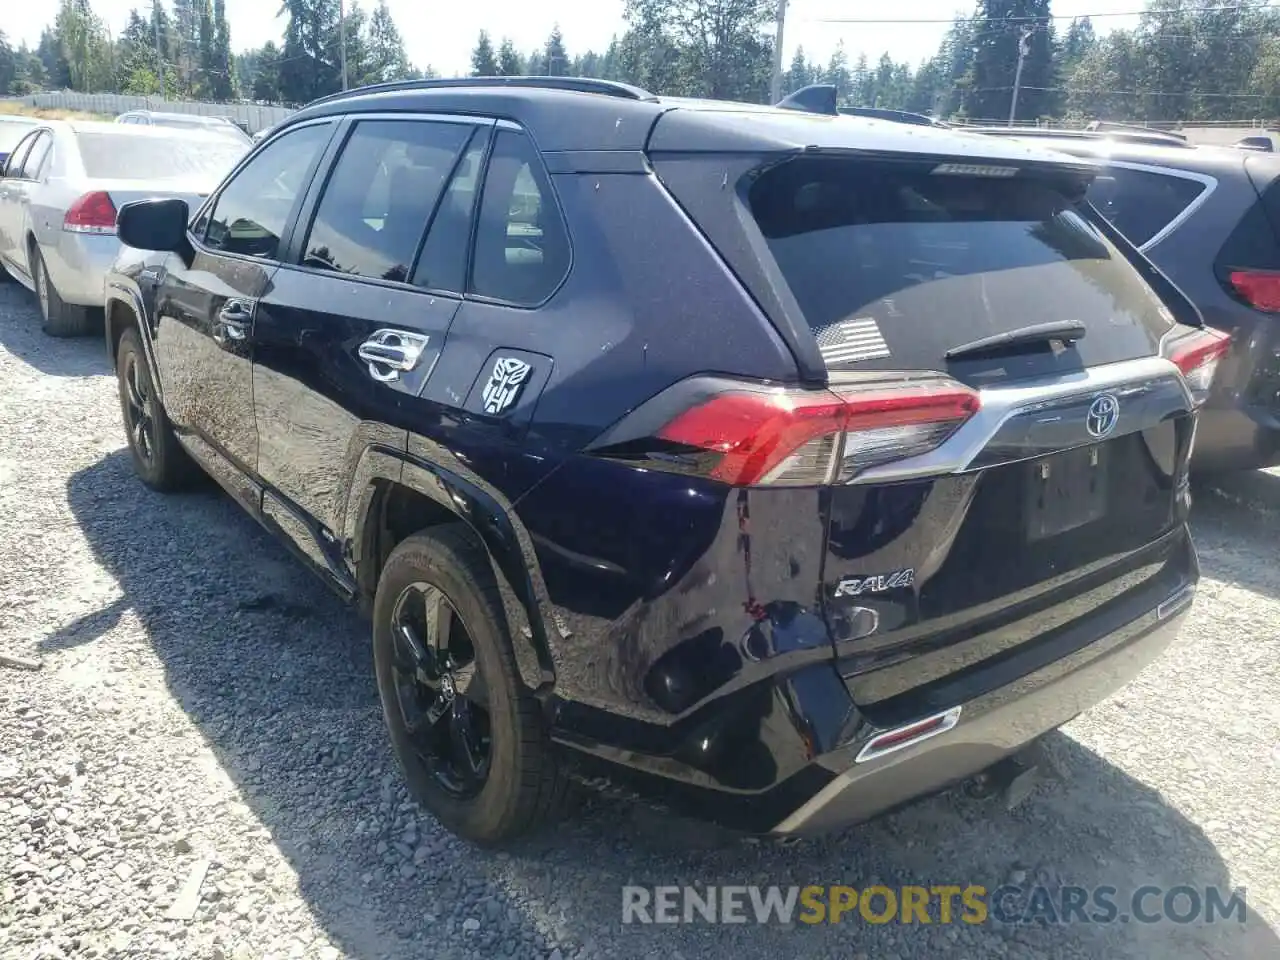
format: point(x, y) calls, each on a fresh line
point(92, 213)
point(1197, 356)
point(1260, 288)
point(749, 437)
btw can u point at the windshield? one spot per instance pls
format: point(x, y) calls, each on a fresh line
point(125, 156)
point(895, 263)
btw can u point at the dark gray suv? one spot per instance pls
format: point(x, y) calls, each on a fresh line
point(1209, 218)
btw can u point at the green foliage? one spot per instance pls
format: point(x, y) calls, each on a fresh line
point(1192, 60)
point(483, 61)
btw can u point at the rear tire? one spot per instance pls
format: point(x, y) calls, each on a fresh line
point(158, 458)
point(522, 785)
point(58, 319)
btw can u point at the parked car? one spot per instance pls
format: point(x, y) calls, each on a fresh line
point(784, 467)
point(13, 129)
point(185, 121)
point(1209, 218)
point(59, 195)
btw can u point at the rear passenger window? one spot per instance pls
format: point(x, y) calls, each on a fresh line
point(253, 209)
point(13, 166)
point(522, 250)
point(1140, 203)
point(376, 205)
point(443, 264)
point(33, 166)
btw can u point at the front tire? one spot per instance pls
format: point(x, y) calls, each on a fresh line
point(57, 318)
point(158, 458)
point(468, 736)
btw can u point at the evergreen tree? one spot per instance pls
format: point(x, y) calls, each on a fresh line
point(483, 63)
point(555, 61)
point(388, 60)
point(837, 73)
point(996, 59)
point(510, 63)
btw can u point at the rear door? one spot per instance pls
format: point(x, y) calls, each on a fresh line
point(351, 327)
point(1063, 494)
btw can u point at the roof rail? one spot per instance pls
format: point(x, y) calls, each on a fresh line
point(608, 88)
point(1153, 137)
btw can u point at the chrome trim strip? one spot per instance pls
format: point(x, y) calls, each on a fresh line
point(948, 720)
point(1001, 403)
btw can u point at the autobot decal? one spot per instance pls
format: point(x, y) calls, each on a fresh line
point(505, 383)
point(877, 583)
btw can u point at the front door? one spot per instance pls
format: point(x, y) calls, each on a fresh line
point(206, 308)
point(14, 189)
point(351, 328)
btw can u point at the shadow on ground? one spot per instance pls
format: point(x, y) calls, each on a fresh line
point(278, 676)
point(21, 336)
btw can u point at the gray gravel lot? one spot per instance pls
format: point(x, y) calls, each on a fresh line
point(205, 705)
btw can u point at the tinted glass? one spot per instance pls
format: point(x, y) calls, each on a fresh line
point(443, 264)
point(1139, 203)
point(1254, 244)
point(129, 156)
point(522, 250)
point(33, 164)
point(252, 210)
point(376, 205)
point(896, 264)
point(13, 166)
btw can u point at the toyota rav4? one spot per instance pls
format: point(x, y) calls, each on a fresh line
point(777, 465)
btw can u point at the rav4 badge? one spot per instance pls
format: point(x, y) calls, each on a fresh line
point(877, 583)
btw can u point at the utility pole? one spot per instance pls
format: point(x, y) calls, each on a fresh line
point(1024, 48)
point(775, 85)
point(342, 40)
point(155, 15)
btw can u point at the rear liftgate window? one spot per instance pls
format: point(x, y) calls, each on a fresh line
point(893, 264)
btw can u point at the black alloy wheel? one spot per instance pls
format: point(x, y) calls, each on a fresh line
point(441, 694)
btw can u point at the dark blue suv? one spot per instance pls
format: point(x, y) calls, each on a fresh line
point(779, 465)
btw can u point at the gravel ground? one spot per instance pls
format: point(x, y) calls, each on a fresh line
point(205, 707)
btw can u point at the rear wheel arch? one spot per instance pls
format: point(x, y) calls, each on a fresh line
point(390, 509)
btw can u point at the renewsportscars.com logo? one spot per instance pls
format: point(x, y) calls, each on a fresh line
point(942, 903)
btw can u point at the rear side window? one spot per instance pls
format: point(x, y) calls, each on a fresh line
point(251, 212)
point(13, 166)
point(129, 156)
point(33, 165)
point(1141, 203)
point(376, 205)
point(896, 264)
point(522, 250)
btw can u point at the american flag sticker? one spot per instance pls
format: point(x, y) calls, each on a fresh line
point(852, 340)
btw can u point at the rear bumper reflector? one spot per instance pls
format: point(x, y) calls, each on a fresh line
point(905, 736)
point(1176, 603)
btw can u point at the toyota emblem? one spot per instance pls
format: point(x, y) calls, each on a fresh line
point(1104, 413)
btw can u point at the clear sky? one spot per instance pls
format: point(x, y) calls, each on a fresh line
point(442, 33)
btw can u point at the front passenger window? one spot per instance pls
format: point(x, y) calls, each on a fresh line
point(251, 212)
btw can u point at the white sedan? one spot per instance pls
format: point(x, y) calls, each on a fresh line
point(59, 192)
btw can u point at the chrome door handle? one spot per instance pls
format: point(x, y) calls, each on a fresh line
point(233, 321)
point(390, 353)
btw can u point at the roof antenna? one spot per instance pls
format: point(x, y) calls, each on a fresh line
point(815, 98)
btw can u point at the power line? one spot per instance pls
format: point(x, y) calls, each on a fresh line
point(1055, 16)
